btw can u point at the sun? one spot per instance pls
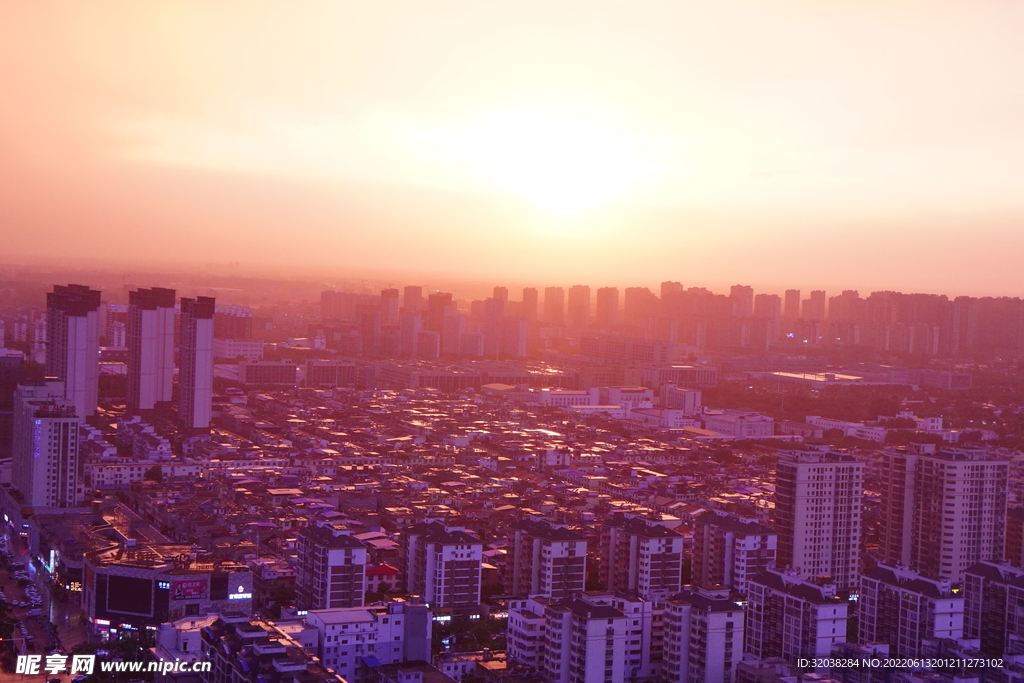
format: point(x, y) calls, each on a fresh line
point(562, 164)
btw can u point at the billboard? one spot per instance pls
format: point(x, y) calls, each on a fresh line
point(192, 589)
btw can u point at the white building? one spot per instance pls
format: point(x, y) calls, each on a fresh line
point(150, 347)
point(902, 608)
point(703, 637)
point(45, 446)
point(791, 618)
point(943, 512)
point(230, 349)
point(596, 638)
point(818, 500)
point(687, 400)
point(729, 550)
point(629, 398)
point(858, 430)
point(331, 568)
point(195, 382)
point(561, 398)
point(548, 559)
point(443, 565)
point(739, 423)
point(352, 638)
point(73, 344)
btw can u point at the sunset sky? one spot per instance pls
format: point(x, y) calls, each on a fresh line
point(861, 144)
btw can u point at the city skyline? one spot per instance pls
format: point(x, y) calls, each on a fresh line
point(867, 146)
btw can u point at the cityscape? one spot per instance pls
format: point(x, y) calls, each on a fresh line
point(534, 342)
point(557, 484)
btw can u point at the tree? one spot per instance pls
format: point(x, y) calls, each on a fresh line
point(155, 473)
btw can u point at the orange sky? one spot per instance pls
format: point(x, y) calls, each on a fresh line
point(840, 144)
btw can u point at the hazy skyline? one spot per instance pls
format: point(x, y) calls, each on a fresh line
point(843, 145)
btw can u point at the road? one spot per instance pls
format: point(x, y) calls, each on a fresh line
point(71, 624)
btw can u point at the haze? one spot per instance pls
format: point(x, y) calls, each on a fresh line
point(837, 145)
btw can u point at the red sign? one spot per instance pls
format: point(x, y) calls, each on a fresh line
point(188, 590)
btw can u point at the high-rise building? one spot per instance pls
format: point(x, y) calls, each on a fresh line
point(438, 304)
point(150, 347)
point(703, 637)
point(452, 329)
point(331, 570)
point(728, 550)
point(818, 499)
point(639, 307)
point(791, 618)
point(45, 449)
point(1014, 553)
point(640, 557)
point(596, 638)
point(548, 559)
point(12, 373)
point(792, 307)
point(669, 288)
point(443, 565)
point(231, 322)
point(493, 326)
point(195, 373)
point(554, 306)
point(993, 593)
point(355, 641)
point(514, 336)
point(368, 321)
point(902, 608)
point(410, 324)
point(578, 306)
point(73, 348)
point(412, 298)
point(389, 306)
point(768, 306)
point(943, 512)
point(530, 304)
point(814, 307)
point(742, 300)
point(501, 293)
point(606, 307)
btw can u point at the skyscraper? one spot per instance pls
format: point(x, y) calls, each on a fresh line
point(195, 376)
point(792, 307)
point(150, 347)
point(554, 306)
point(530, 301)
point(818, 499)
point(639, 307)
point(45, 449)
point(389, 306)
point(814, 307)
point(579, 306)
point(606, 307)
point(412, 298)
point(743, 300)
point(943, 512)
point(73, 349)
